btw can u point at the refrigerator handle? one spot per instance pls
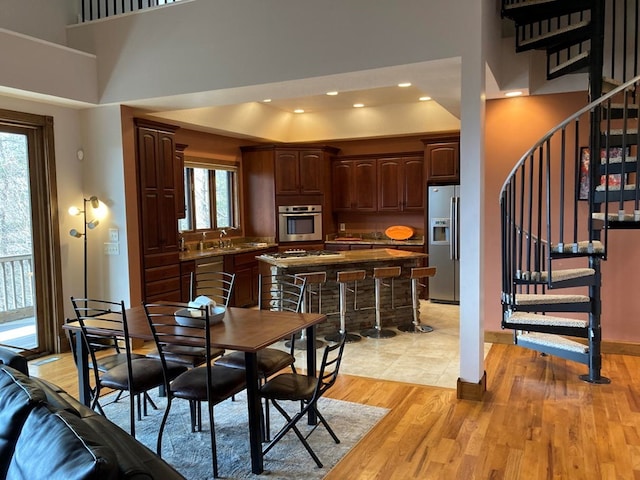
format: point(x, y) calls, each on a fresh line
point(457, 228)
point(452, 228)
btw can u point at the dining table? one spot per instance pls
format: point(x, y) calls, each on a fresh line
point(242, 329)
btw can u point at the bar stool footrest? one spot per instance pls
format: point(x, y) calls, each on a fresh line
point(349, 337)
point(375, 333)
point(301, 344)
point(411, 328)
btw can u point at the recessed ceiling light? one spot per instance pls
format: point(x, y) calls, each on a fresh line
point(266, 100)
point(513, 94)
point(424, 99)
point(358, 105)
point(298, 110)
point(332, 93)
point(404, 84)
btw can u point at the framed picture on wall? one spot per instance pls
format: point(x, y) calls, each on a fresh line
point(615, 156)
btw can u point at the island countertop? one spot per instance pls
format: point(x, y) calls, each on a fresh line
point(349, 256)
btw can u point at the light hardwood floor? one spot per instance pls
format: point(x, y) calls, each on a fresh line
point(538, 420)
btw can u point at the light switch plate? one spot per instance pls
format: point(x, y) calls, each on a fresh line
point(114, 235)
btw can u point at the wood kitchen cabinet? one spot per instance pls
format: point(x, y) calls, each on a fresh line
point(401, 184)
point(181, 207)
point(245, 267)
point(354, 184)
point(442, 158)
point(300, 171)
point(158, 176)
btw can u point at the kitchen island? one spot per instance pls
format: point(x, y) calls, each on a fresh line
point(396, 302)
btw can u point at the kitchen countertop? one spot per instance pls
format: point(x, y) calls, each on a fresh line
point(359, 240)
point(352, 256)
point(232, 250)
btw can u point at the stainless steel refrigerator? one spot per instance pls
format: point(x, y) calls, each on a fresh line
point(444, 243)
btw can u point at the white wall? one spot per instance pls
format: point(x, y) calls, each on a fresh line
point(45, 19)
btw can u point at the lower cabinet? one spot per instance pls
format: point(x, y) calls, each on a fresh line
point(245, 267)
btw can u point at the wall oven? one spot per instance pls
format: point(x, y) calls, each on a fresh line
point(299, 223)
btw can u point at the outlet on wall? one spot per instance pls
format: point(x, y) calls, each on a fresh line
point(111, 248)
point(342, 227)
point(113, 235)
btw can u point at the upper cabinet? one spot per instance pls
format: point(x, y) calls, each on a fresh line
point(300, 171)
point(442, 158)
point(393, 183)
point(401, 184)
point(354, 185)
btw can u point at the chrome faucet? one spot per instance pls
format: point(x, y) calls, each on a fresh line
point(221, 242)
point(201, 244)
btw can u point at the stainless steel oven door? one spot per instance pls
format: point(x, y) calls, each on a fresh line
point(299, 227)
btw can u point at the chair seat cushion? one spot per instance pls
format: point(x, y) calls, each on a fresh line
point(270, 361)
point(146, 372)
point(111, 361)
point(185, 355)
point(225, 382)
point(289, 386)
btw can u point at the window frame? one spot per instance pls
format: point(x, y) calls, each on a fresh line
point(212, 166)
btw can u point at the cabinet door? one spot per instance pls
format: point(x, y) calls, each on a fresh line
point(311, 171)
point(243, 289)
point(167, 215)
point(287, 172)
point(413, 184)
point(342, 173)
point(181, 208)
point(365, 198)
point(150, 191)
point(443, 162)
point(390, 173)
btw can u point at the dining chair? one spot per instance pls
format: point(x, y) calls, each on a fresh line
point(101, 321)
point(208, 382)
point(279, 292)
point(298, 387)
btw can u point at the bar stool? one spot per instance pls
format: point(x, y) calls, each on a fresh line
point(417, 273)
point(314, 287)
point(379, 274)
point(343, 278)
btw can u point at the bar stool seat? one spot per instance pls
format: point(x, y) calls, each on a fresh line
point(314, 282)
point(417, 274)
point(379, 274)
point(343, 278)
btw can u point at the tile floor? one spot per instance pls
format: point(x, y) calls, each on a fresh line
point(428, 358)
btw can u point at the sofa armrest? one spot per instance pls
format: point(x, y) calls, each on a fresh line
point(14, 360)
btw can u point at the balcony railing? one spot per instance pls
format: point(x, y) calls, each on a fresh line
point(97, 9)
point(16, 292)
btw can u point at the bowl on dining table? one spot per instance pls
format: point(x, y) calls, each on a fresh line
point(187, 318)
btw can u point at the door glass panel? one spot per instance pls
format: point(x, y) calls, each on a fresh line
point(18, 327)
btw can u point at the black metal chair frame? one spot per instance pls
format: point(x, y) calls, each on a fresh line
point(218, 286)
point(331, 359)
point(168, 332)
point(86, 308)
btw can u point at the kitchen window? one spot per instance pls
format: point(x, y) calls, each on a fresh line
point(211, 197)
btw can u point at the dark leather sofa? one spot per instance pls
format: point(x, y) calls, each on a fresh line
point(47, 434)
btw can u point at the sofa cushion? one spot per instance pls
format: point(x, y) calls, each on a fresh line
point(14, 360)
point(18, 396)
point(59, 445)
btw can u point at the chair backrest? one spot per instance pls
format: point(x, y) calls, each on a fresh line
point(218, 286)
point(330, 366)
point(171, 331)
point(108, 322)
point(281, 292)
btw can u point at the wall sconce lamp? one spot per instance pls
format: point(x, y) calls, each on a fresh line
point(96, 207)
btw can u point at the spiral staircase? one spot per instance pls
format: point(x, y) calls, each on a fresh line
point(561, 200)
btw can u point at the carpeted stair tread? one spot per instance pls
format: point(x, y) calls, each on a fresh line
point(567, 274)
point(557, 341)
point(542, 299)
point(526, 318)
point(585, 246)
point(615, 217)
point(627, 159)
point(615, 188)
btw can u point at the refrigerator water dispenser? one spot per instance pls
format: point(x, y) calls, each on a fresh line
point(440, 231)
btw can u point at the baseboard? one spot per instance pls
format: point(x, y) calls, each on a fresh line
point(471, 391)
point(607, 346)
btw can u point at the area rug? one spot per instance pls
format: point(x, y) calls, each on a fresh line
point(190, 453)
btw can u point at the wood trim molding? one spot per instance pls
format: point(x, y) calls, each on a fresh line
point(471, 391)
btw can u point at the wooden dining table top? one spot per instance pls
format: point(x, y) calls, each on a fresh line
point(242, 329)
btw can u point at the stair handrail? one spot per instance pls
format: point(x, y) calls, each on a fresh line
point(563, 124)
